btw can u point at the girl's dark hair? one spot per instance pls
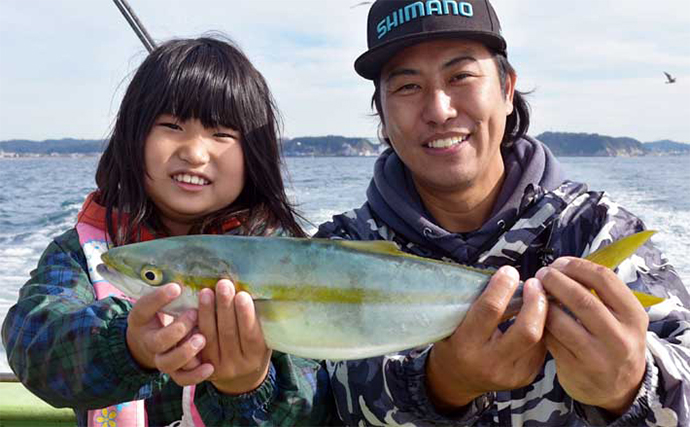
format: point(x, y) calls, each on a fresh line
point(213, 81)
point(517, 122)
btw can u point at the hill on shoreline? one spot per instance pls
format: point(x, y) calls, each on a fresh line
point(595, 145)
point(63, 146)
point(306, 146)
point(560, 143)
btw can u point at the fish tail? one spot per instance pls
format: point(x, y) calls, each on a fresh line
point(614, 254)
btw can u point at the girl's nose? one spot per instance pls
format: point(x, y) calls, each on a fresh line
point(194, 151)
point(438, 107)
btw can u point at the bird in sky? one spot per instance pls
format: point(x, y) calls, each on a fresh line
point(669, 78)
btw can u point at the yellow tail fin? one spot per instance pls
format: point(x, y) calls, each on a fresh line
point(615, 253)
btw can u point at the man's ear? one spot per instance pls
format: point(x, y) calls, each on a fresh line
point(511, 81)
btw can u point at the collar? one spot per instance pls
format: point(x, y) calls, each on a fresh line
point(92, 213)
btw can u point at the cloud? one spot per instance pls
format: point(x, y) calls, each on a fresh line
point(596, 65)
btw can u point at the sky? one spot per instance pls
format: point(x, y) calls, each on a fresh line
point(593, 66)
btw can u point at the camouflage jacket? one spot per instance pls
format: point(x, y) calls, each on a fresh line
point(569, 220)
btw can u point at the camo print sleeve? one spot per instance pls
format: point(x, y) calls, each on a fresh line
point(390, 390)
point(663, 397)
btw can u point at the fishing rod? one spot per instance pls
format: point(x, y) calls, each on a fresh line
point(136, 25)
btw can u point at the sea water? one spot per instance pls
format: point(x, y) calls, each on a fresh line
point(40, 198)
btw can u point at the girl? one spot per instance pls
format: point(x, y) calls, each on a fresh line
point(195, 149)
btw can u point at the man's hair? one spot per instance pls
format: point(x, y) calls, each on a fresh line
point(517, 122)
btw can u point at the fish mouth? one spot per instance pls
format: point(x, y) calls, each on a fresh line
point(115, 265)
point(131, 287)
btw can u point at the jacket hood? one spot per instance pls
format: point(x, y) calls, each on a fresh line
point(530, 170)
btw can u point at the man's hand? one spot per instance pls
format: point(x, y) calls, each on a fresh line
point(600, 352)
point(166, 345)
point(235, 343)
point(478, 357)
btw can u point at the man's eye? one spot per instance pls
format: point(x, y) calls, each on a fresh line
point(407, 88)
point(223, 135)
point(461, 76)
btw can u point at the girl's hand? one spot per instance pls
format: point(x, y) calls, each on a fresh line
point(234, 341)
point(159, 342)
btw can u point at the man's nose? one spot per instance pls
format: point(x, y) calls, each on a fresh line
point(438, 107)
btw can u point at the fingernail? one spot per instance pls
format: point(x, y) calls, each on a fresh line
point(536, 284)
point(223, 288)
point(206, 370)
point(243, 298)
point(192, 315)
point(541, 273)
point(560, 263)
point(197, 341)
point(510, 272)
point(173, 290)
point(205, 297)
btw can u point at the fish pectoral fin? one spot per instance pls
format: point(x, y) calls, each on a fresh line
point(276, 311)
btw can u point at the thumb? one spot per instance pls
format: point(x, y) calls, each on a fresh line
point(146, 308)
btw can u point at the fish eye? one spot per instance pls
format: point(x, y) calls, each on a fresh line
point(152, 275)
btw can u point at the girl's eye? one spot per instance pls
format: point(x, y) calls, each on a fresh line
point(223, 135)
point(152, 275)
point(172, 126)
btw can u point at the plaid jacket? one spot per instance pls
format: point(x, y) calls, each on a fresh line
point(390, 390)
point(70, 350)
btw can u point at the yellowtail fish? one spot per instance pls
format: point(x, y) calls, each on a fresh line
point(323, 299)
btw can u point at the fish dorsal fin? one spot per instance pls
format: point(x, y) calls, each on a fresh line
point(380, 247)
point(612, 255)
point(386, 247)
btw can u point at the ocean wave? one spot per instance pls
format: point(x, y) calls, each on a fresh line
point(320, 188)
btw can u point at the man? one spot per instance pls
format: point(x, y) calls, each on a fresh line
point(462, 182)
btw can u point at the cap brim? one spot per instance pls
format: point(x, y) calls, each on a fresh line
point(369, 64)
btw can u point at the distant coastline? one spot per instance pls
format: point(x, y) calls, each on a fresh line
point(564, 144)
point(561, 144)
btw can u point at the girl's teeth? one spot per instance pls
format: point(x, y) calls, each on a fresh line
point(447, 142)
point(189, 179)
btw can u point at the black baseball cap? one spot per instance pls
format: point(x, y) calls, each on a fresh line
point(393, 25)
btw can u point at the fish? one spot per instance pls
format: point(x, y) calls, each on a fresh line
point(321, 298)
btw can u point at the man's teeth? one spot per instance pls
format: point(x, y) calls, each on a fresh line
point(447, 142)
point(190, 179)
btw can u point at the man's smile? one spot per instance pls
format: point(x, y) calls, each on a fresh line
point(447, 142)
